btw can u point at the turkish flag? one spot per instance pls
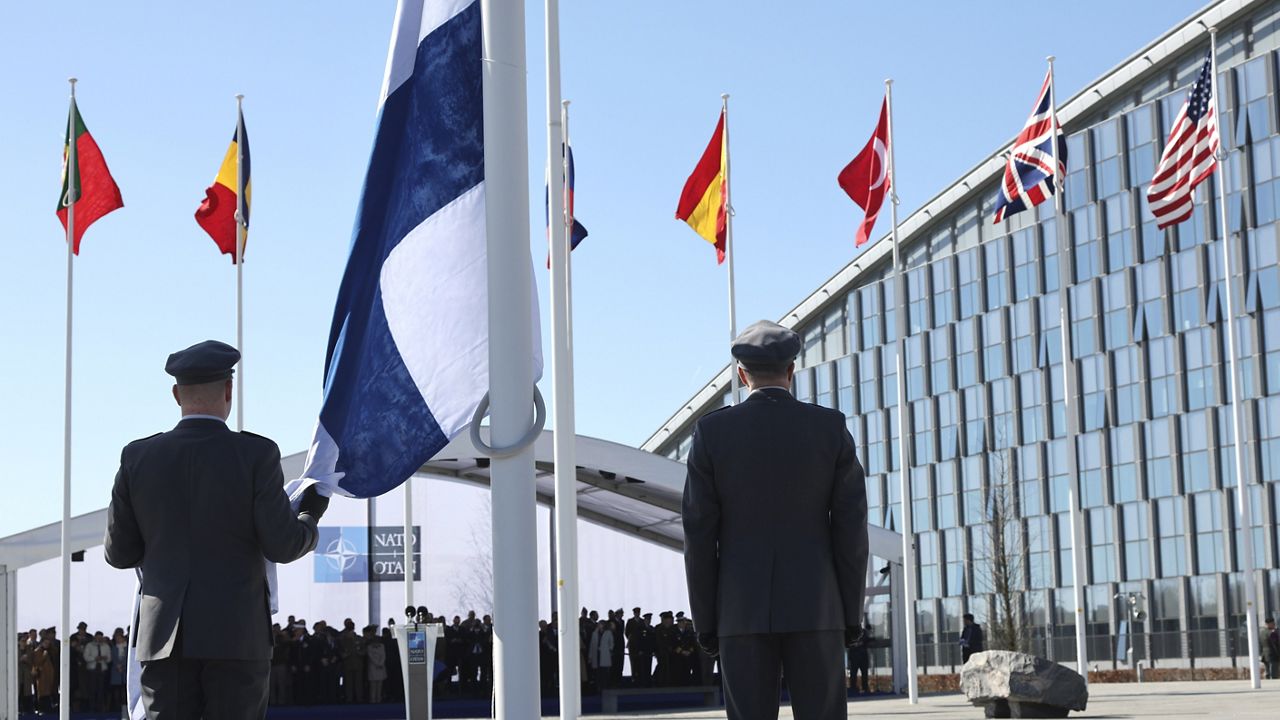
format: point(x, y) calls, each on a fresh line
point(866, 179)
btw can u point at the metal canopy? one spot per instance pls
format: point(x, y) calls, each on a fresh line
point(632, 491)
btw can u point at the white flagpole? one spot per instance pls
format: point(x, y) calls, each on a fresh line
point(511, 378)
point(64, 657)
point(1244, 503)
point(566, 475)
point(904, 422)
point(728, 251)
point(406, 543)
point(1069, 393)
point(240, 233)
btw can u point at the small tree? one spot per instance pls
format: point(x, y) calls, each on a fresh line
point(473, 588)
point(1005, 576)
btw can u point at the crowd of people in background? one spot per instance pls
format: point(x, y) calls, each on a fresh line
point(318, 664)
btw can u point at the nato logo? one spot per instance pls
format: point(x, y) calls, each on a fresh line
point(342, 555)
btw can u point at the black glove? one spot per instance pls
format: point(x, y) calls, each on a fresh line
point(851, 636)
point(709, 643)
point(313, 503)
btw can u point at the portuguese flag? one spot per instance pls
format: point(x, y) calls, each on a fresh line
point(87, 184)
point(230, 189)
point(705, 194)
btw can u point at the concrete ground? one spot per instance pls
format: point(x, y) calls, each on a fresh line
point(1227, 699)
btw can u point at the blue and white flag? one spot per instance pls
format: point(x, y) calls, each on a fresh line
point(408, 355)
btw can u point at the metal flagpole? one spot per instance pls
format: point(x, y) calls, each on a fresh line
point(1069, 392)
point(240, 233)
point(728, 251)
point(406, 543)
point(566, 475)
point(904, 423)
point(1243, 501)
point(64, 657)
point(511, 371)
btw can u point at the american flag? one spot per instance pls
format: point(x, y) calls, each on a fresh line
point(1189, 154)
point(1026, 176)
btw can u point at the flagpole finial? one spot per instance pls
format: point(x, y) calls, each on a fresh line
point(1213, 29)
point(73, 82)
point(565, 104)
point(888, 81)
point(1049, 59)
point(239, 97)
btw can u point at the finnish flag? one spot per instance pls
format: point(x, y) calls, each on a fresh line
point(408, 353)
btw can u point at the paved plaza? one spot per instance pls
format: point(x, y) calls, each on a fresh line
point(1230, 700)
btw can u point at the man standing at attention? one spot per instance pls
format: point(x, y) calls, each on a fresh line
point(775, 527)
point(199, 509)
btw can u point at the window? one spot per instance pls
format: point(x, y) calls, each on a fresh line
point(1188, 297)
point(1031, 480)
point(889, 375)
point(953, 549)
point(948, 426)
point(947, 493)
point(970, 294)
point(1137, 557)
point(966, 353)
point(1002, 407)
point(875, 447)
point(930, 582)
point(1093, 486)
point(890, 311)
point(1253, 119)
point(915, 368)
point(917, 300)
point(940, 360)
point(1162, 381)
point(1118, 213)
point(1025, 273)
point(1084, 338)
point(1210, 543)
point(1024, 338)
point(993, 346)
point(997, 268)
point(1151, 300)
point(943, 292)
point(922, 431)
point(1124, 463)
point(845, 387)
point(1059, 487)
point(1115, 305)
point(1040, 557)
point(1031, 390)
point(971, 480)
point(1077, 183)
point(1093, 391)
point(811, 353)
point(1269, 438)
point(871, 316)
point(825, 391)
point(1108, 173)
point(1173, 548)
point(1196, 431)
point(1102, 546)
point(975, 420)
point(921, 499)
point(1084, 233)
point(833, 339)
point(1158, 442)
point(869, 377)
point(1126, 364)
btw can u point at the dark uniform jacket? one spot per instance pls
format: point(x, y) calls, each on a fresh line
point(199, 508)
point(775, 519)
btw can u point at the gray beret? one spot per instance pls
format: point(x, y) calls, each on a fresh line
point(205, 362)
point(766, 344)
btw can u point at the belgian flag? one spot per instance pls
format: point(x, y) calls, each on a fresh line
point(217, 214)
point(87, 184)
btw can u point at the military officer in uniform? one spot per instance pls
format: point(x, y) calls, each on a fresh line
point(199, 509)
point(775, 527)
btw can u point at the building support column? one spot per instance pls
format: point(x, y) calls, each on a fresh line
point(9, 651)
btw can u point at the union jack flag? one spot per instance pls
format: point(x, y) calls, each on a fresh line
point(1189, 155)
point(1026, 176)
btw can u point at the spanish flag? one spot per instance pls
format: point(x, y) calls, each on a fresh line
point(217, 214)
point(706, 192)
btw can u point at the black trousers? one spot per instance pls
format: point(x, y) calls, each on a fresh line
point(752, 668)
point(181, 688)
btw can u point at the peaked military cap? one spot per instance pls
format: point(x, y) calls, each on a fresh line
point(767, 345)
point(204, 362)
point(666, 614)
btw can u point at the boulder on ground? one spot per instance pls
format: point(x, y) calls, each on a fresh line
point(1017, 685)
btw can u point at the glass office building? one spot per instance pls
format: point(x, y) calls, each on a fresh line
point(984, 377)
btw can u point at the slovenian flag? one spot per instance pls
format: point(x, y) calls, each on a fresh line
point(578, 231)
point(408, 355)
point(217, 214)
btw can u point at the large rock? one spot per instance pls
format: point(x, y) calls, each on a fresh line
point(1017, 685)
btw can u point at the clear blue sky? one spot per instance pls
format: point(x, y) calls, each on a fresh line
point(157, 87)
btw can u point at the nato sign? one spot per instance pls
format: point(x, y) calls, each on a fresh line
point(365, 554)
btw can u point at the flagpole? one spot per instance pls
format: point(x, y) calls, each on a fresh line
point(728, 251)
point(64, 657)
point(1243, 501)
point(904, 424)
point(511, 370)
point(564, 450)
point(1069, 393)
point(240, 233)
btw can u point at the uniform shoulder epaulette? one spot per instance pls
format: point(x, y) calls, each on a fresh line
point(144, 439)
point(254, 434)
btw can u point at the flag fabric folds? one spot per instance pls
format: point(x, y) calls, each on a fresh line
point(408, 353)
point(577, 231)
point(95, 191)
point(866, 179)
point(704, 200)
point(1030, 167)
point(217, 214)
point(1190, 154)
